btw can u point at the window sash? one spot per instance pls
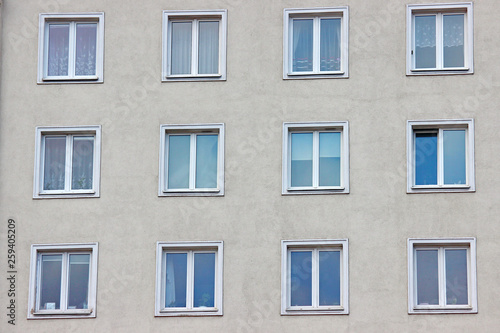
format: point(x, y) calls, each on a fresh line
point(440, 158)
point(439, 41)
point(315, 161)
point(316, 45)
point(190, 283)
point(68, 167)
point(64, 293)
point(315, 277)
point(72, 48)
point(192, 163)
point(195, 40)
point(442, 284)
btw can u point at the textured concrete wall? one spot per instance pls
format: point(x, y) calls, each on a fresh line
point(129, 218)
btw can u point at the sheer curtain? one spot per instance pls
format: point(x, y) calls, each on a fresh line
point(425, 41)
point(54, 163)
point(453, 40)
point(302, 60)
point(83, 163)
point(208, 47)
point(181, 45)
point(86, 36)
point(330, 56)
point(58, 50)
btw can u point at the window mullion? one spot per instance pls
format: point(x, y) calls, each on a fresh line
point(439, 41)
point(64, 281)
point(194, 47)
point(442, 276)
point(69, 159)
point(165, 160)
point(289, 279)
point(316, 43)
point(315, 161)
point(192, 162)
point(315, 278)
point(289, 160)
point(190, 280)
point(72, 50)
point(38, 281)
point(440, 158)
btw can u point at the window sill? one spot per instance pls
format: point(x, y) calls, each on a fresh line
point(440, 188)
point(442, 309)
point(66, 195)
point(313, 75)
point(191, 193)
point(66, 79)
point(294, 311)
point(182, 312)
point(199, 77)
point(439, 71)
point(317, 190)
point(57, 314)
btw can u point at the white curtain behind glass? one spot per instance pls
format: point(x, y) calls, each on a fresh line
point(181, 45)
point(208, 48)
point(302, 59)
point(86, 36)
point(330, 45)
point(58, 50)
point(54, 163)
point(83, 163)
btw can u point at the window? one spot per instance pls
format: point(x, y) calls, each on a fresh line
point(440, 39)
point(315, 158)
point(194, 45)
point(189, 278)
point(71, 48)
point(442, 275)
point(63, 281)
point(314, 277)
point(192, 160)
point(441, 156)
point(67, 162)
point(315, 43)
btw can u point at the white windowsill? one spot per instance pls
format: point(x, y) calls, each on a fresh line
point(63, 312)
point(192, 76)
point(67, 78)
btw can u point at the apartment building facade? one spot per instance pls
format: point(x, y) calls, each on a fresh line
point(249, 166)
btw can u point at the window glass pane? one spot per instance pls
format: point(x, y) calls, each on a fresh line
point(178, 161)
point(456, 277)
point(57, 60)
point(50, 284)
point(54, 166)
point(301, 160)
point(454, 160)
point(204, 280)
point(329, 159)
point(427, 277)
point(176, 280)
point(78, 289)
point(453, 40)
point(83, 163)
point(301, 278)
point(425, 41)
point(208, 48)
point(329, 278)
point(330, 44)
point(181, 48)
point(86, 37)
point(425, 158)
point(206, 161)
point(302, 44)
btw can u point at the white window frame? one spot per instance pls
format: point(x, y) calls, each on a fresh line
point(316, 127)
point(438, 125)
point(65, 249)
point(216, 247)
point(71, 18)
point(219, 15)
point(314, 245)
point(192, 130)
point(439, 9)
point(468, 243)
point(41, 132)
point(317, 13)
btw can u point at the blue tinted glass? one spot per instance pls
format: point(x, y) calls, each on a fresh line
point(50, 291)
point(176, 279)
point(302, 45)
point(178, 161)
point(453, 40)
point(425, 41)
point(301, 164)
point(329, 159)
point(204, 280)
point(454, 157)
point(206, 161)
point(425, 158)
point(329, 278)
point(330, 45)
point(427, 277)
point(456, 277)
point(301, 278)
